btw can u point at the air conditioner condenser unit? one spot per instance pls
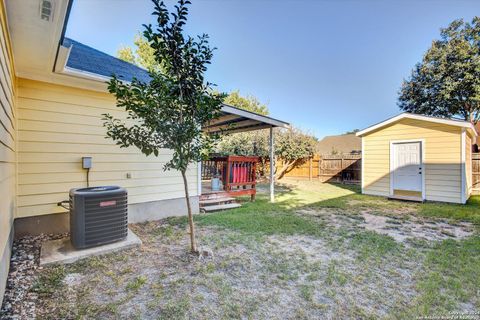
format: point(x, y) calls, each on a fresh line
point(98, 215)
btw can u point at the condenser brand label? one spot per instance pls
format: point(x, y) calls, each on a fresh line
point(108, 203)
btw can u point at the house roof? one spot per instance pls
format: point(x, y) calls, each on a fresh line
point(452, 122)
point(88, 59)
point(92, 62)
point(343, 144)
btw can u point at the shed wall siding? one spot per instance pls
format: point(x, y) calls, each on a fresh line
point(442, 151)
point(59, 125)
point(7, 149)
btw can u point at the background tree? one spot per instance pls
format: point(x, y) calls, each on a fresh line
point(249, 103)
point(292, 146)
point(170, 110)
point(143, 55)
point(251, 143)
point(352, 131)
point(447, 81)
point(126, 54)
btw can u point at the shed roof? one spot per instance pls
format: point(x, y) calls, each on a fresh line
point(406, 115)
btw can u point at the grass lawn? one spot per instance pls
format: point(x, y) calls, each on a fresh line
point(321, 251)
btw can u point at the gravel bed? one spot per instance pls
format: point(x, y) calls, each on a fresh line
point(19, 301)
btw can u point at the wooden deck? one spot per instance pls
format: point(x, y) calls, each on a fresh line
point(237, 174)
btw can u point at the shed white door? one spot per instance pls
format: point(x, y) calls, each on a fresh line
point(407, 166)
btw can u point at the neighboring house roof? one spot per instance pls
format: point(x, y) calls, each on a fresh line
point(342, 144)
point(88, 59)
point(406, 115)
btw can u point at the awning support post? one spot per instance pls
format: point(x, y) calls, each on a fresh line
point(272, 166)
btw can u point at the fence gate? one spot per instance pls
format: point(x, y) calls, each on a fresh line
point(341, 168)
point(476, 173)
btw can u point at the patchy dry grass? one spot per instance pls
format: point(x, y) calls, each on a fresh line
point(309, 255)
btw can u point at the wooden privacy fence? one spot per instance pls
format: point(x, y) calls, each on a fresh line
point(344, 168)
point(328, 168)
point(476, 172)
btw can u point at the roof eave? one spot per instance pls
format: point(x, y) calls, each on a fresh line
point(255, 116)
point(406, 115)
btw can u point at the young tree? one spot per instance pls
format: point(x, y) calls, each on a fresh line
point(447, 81)
point(170, 110)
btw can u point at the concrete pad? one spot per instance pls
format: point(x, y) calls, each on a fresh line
point(61, 251)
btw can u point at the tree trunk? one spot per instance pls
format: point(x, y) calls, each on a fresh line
point(279, 174)
point(193, 243)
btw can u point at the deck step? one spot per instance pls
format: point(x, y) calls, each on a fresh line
point(213, 201)
point(216, 195)
point(220, 207)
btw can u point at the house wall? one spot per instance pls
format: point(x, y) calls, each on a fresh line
point(7, 150)
point(59, 125)
point(442, 152)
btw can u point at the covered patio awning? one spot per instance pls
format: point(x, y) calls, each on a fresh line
point(234, 120)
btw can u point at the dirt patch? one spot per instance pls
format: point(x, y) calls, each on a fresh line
point(416, 228)
point(400, 227)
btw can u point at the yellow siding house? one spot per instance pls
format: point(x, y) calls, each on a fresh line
point(53, 93)
point(417, 157)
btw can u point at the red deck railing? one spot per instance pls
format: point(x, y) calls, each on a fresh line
point(237, 173)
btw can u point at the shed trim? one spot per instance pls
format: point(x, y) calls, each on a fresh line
point(462, 165)
point(363, 165)
point(406, 115)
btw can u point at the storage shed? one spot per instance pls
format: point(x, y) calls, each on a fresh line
point(416, 157)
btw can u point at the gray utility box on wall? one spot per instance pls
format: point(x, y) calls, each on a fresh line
point(98, 215)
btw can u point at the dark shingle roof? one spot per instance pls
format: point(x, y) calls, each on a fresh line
point(88, 59)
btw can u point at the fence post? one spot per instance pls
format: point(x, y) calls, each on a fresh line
point(310, 172)
point(320, 169)
point(341, 169)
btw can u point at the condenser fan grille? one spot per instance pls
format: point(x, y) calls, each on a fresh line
point(98, 215)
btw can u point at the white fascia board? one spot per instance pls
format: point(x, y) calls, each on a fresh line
point(84, 74)
point(254, 116)
point(62, 58)
point(406, 115)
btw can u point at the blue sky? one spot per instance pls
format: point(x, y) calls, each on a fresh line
point(325, 66)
